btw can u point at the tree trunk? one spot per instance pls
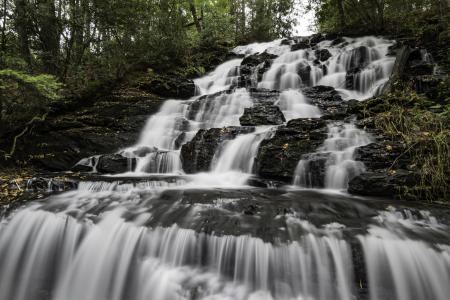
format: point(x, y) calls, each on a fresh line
point(5, 13)
point(48, 35)
point(194, 16)
point(340, 7)
point(22, 26)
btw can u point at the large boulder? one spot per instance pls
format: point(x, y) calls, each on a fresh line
point(279, 155)
point(330, 102)
point(383, 155)
point(104, 123)
point(323, 54)
point(168, 86)
point(197, 155)
point(115, 164)
point(262, 115)
point(383, 183)
point(253, 67)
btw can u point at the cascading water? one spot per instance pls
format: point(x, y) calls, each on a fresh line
point(336, 156)
point(358, 68)
point(211, 236)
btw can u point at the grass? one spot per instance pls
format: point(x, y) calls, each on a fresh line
point(426, 134)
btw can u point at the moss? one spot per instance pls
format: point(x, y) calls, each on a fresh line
point(407, 116)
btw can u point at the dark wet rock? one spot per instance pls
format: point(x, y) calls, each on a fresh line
point(430, 85)
point(337, 41)
point(359, 57)
point(73, 131)
point(314, 165)
point(323, 54)
point(253, 68)
point(304, 71)
point(278, 156)
point(198, 154)
point(256, 59)
point(383, 155)
point(43, 184)
point(285, 42)
point(262, 115)
point(264, 96)
point(115, 164)
point(82, 168)
point(300, 45)
point(330, 102)
point(350, 82)
point(206, 102)
point(419, 68)
point(383, 183)
point(169, 86)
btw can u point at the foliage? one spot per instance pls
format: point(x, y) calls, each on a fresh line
point(85, 43)
point(408, 17)
point(24, 96)
point(405, 116)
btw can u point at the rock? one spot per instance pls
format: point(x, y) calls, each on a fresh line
point(382, 155)
point(264, 96)
point(41, 184)
point(169, 86)
point(350, 82)
point(430, 85)
point(279, 155)
point(300, 45)
point(382, 183)
point(256, 59)
point(262, 115)
point(337, 41)
point(314, 169)
point(359, 57)
point(206, 102)
point(71, 132)
point(331, 103)
point(323, 54)
point(115, 164)
point(304, 71)
point(197, 155)
point(254, 64)
point(420, 68)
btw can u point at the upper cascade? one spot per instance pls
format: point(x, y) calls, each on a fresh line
point(270, 83)
point(357, 67)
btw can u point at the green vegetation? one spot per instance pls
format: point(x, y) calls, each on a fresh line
point(85, 42)
point(395, 17)
point(408, 117)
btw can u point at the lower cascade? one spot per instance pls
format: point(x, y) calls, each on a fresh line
point(239, 192)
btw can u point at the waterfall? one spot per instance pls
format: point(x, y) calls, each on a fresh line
point(239, 154)
point(118, 260)
point(334, 159)
point(401, 267)
point(295, 105)
point(361, 61)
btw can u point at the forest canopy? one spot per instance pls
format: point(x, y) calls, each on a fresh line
point(85, 41)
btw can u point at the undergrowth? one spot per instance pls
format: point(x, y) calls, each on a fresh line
point(404, 115)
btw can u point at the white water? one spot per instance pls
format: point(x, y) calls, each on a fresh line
point(239, 154)
point(338, 150)
point(402, 268)
point(295, 105)
point(81, 260)
point(178, 121)
point(368, 52)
